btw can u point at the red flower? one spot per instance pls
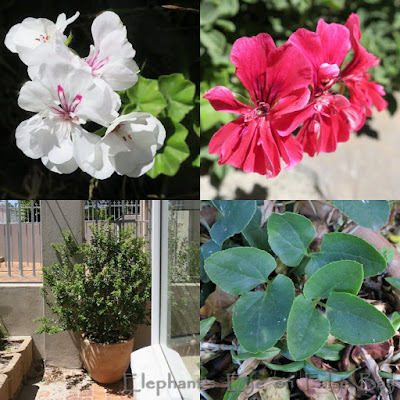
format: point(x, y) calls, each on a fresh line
point(363, 92)
point(277, 81)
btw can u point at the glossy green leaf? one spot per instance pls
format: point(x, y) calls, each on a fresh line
point(254, 235)
point(235, 215)
point(340, 276)
point(146, 96)
point(260, 318)
point(235, 389)
point(395, 319)
point(369, 213)
point(355, 321)
point(284, 350)
point(330, 352)
point(205, 326)
point(239, 269)
point(179, 93)
point(289, 236)
point(307, 330)
point(196, 162)
point(291, 367)
point(316, 373)
point(174, 152)
point(343, 246)
point(262, 355)
point(206, 250)
point(208, 12)
point(395, 282)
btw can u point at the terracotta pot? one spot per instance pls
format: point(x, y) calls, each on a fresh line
point(106, 363)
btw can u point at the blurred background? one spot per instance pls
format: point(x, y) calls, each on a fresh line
point(364, 167)
point(165, 36)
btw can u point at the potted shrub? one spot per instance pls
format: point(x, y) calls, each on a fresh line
point(103, 296)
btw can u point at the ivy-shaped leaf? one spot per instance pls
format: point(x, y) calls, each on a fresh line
point(179, 93)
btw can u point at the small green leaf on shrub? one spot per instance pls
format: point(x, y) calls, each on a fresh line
point(307, 330)
point(235, 389)
point(235, 216)
point(206, 250)
point(289, 236)
point(395, 320)
point(146, 96)
point(179, 93)
point(239, 269)
point(330, 352)
point(254, 235)
point(355, 321)
point(343, 246)
point(205, 326)
point(340, 276)
point(262, 355)
point(395, 282)
point(174, 152)
point(316, 373)
point(369, 213)
point(260, 318)
point(291, 367)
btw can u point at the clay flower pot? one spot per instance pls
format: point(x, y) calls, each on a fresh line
point(106, 363)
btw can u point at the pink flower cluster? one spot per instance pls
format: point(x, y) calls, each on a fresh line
point(299, 84)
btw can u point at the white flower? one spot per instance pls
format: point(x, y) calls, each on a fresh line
point(111, 57)
point(31, 33)
point(132, 141)
point(66, 97)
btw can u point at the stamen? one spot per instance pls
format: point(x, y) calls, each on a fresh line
point(75, 102)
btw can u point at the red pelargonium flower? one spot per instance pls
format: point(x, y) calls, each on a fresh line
point(332, 116)
point(277, 81)
point(363, 92)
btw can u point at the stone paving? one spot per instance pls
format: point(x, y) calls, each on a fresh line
point(362, 168)
point(63, 384)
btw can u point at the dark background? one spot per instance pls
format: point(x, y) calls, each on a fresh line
point(166, 41)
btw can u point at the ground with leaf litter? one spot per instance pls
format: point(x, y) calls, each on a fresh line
point(299, 300)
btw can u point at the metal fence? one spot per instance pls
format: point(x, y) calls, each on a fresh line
point(21, 231)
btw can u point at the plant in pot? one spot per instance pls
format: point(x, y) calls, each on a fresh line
point(104, 296)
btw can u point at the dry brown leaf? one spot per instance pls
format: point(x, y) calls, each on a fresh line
point(316, 390)
point(248, 366)
point(257, 385)
point(377, 351)
point(219, 305)
point(275, 391)
point(208, 213)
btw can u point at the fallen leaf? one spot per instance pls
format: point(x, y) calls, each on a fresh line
point(275, 391)
point(377, 351)
point(219, 305)
point(248, 366)
point(316, 390)
point(255, 386)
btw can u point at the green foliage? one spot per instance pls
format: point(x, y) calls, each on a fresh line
point(171, 99)
point(101, 288)
point(372, 214)
point(222, 22)
point(267, 307)
point(2, 338)
point(205, 326)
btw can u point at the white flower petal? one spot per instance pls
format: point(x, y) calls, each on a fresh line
point(103, 24)
point(62, 21)
point(120, 74)
point(10, 38)
point(35, 97)
point(65, 168)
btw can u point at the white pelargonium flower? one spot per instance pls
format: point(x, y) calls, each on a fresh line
point(65, 97)
point(31, 33)
point(132, 141)
point(111, 57)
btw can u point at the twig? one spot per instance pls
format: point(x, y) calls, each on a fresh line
point(313, 208)
point(205, 395)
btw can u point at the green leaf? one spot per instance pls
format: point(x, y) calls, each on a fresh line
point(284, 350)
point(340, 276)
point(254, 235)
point(307, 330)
point(262, 355)
point(369, 213)
point(260, 318)
point(179, 93)
point(316, 373)
point(215, 43)
point(291, 367)
point(174, 152)
point(236, 214)
point(146, 96)
point(343, 246)
point(239, 269)
point(235, 389)
point(196, 162)
point(206, 250)
point(395, 282)
point(205, 326)
point(330, 352)
point(208, 12)
point(289, 236)
point(355, 321)
point(395, 320)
